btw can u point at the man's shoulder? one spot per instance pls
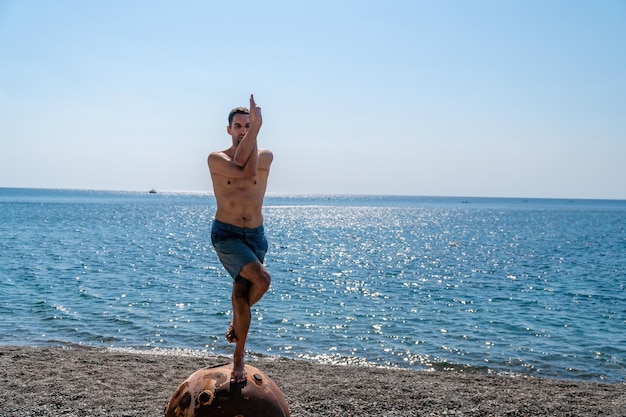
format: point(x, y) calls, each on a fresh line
point(266, 153)
point(218, 155)
point(265, 158)
point(221, 154)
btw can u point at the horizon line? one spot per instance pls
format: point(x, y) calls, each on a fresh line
point(287, 194)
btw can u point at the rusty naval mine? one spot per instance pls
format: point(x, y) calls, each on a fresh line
point(208, 392)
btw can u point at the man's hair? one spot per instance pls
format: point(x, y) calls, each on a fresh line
point(233, 112)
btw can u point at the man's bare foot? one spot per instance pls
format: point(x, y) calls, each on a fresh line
point(239, 370)
point(230, 333)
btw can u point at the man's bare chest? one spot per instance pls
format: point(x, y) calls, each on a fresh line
point(241, 184)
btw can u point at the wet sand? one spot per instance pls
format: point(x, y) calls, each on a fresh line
point(97, 382)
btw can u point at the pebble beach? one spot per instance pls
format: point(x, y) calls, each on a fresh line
point(61, 381)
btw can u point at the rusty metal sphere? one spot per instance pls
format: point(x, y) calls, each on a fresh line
point(208, 392)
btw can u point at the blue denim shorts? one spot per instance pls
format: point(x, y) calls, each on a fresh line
point(238, 246)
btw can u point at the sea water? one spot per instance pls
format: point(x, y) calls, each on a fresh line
point(532, 286)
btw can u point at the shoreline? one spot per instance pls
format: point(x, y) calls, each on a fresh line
point(85, 381)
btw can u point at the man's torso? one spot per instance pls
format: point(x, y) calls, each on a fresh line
point(240, 197)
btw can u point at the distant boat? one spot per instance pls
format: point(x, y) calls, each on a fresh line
point(152, 191)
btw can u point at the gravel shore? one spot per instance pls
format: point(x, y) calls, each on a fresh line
point(54, 381)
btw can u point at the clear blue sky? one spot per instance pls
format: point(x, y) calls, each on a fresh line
point(440, 98)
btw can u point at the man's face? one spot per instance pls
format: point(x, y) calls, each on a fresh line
point(239, 127)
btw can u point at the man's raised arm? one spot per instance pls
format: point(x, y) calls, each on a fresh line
point(246, 155)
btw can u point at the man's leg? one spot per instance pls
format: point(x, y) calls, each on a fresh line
point(260, 279)
point(243, 298)
point(240, 325)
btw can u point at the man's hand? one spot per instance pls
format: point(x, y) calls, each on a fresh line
point(255, 113)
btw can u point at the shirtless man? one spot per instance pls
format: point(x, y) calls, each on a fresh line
point(239, 176)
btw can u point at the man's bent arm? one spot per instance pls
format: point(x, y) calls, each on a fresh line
point(219, 163)
point(246, 153)
point(247, 150)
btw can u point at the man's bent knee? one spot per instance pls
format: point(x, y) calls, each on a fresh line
point(267, 279)
point(256, 274)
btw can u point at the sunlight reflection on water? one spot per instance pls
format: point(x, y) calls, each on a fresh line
point(414, 283)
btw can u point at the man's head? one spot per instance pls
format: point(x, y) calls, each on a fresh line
point(233, 112)
point(238, 124)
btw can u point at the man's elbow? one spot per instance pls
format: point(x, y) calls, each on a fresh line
point(240, 162)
